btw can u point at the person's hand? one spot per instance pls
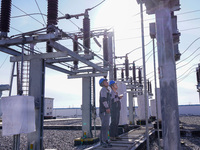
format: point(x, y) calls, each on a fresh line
point(120, 97)
point(107, 111)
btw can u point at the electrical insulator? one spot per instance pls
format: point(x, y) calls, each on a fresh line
point(115, 73)
point(86, 32)
point(5, 17)
point(122, 74)
point(198, 75)
point(75, 49)
point(126, 67)
point(52, 15)
point(52, 12)
point(176, 36)
point(140, 75)
point(134, 73)
point(148, 86)
point(105, 50)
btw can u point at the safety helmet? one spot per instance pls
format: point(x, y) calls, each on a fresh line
point(111, 83)
point(101, 81)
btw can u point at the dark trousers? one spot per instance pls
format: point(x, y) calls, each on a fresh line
point(115, 114)
point(104, 126)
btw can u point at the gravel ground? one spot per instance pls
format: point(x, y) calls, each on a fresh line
point(64, 139)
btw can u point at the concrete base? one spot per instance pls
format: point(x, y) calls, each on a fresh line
point(85, 141)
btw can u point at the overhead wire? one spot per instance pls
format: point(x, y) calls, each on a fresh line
point(27, 14)
point(191, 68)
point(188, 56)
point(96, 5)
point(180, 80)
point(190, 45)
point(40, 12)
point(4, 61)
point(138, 48)
point(187, 62)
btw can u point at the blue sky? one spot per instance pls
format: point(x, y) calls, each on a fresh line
point(123, 17)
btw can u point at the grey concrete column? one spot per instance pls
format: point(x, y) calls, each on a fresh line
point(167, 75)
point(86, 107)
point(131, 116)
point(36, 89)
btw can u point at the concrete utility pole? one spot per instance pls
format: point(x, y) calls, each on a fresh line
point(167, 70)
point(153, 36)
point(36, 89)
point(144, 73)
point(167, 75)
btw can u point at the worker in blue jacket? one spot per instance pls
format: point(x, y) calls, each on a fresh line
point(104, 112)
point(115, 110)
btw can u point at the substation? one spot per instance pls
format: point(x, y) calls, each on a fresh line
point(29, 70)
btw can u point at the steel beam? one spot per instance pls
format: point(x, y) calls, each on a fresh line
point(16, 53)
point(32, 39)
point(39, 56)
point(10, 51)
point(60, 47)
point(87, 75)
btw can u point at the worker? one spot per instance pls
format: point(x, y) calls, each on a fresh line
point(104, 112)
point(115, 111)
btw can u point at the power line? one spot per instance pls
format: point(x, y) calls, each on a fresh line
point(4, 61)
point(188, 56)
point(189, 29)
point(188, 12)
point(191, 44)
point(188, 20)
point(191, 68)
point(138, 48)
point(96, 5)
point(70, 21)
point(180, 80)
point(28, 14)
point(188, 62)
point(40, 12)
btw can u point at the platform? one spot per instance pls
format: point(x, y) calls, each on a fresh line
point(134, 139)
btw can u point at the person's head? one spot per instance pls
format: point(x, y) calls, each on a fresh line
point(113, 85)
point(103, 82)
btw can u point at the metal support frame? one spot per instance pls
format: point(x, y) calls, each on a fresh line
point(36, 89)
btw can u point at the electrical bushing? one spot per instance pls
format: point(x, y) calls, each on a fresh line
point(140, 75)
point(52, 12)
point(115, 73)
point(86, 32)
point(134, 72)
point(126, 67)
point(52, 15)
point(75, 49)
point(122, 74)
point(5, 17)
point(105, 49)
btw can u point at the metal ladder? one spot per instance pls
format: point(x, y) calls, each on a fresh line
point(25, 78)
